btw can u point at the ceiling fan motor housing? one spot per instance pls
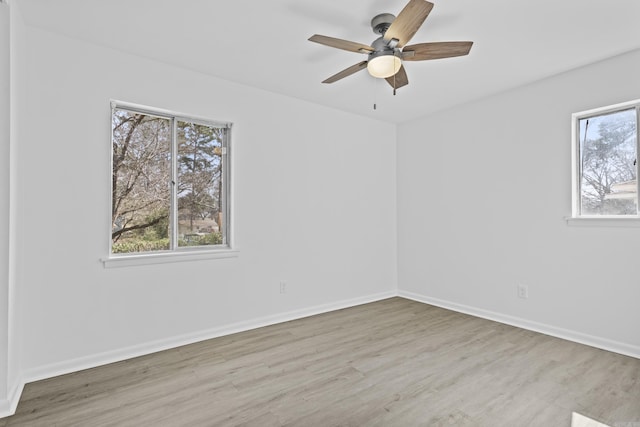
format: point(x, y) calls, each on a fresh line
point(381, 47)
point(380, 23)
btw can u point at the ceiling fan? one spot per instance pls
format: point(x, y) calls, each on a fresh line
point(385, 55)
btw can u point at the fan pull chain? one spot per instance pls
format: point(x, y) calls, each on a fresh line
point(375, 94)
point(394, 81)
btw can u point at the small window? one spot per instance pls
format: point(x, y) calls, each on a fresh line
point(606, 162)
point(169, 182)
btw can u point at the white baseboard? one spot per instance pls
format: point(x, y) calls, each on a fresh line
point(579, 337)
point(105, 358)
point(5, 408)
point(8, 406)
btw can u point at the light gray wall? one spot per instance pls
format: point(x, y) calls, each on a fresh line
point(314, 200)
point(12, 68)
point(18, 103)
point(483, 191)
point(5, 134)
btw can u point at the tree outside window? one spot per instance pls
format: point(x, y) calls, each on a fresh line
point(169, 182)
point(607, 159)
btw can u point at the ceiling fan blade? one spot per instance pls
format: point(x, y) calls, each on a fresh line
point(408, 21)
point(424, 51)
point(399, 79)
point(347, 72)
point(341, 44)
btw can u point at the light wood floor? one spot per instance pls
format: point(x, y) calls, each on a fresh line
point(390, 363)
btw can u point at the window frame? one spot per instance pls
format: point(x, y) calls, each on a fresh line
point(577, 218)
point(176, 253)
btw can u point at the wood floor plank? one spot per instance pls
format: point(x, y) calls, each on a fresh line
point(390, 363)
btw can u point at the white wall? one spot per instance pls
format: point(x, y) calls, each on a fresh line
point(18, 102)
point(11, 85)
point(314, 200)
point(5, 134)
point(483, 190)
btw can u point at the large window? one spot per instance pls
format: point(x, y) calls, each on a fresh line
point(606, 162)
point(169, 182)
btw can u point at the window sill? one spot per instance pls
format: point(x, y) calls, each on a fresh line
point(163, 258)
point(603, 221)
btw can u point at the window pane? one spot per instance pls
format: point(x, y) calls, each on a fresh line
point(608, 161)
point(140, 176)
point(200, 186)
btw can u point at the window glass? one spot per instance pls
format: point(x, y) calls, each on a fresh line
point(200, 208)
point(169, 183)
point(141, 198)
point(608, 163)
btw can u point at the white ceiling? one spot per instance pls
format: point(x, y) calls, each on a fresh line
point(264, 43)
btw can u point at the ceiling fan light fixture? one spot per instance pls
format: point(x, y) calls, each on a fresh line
point(383, 66)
